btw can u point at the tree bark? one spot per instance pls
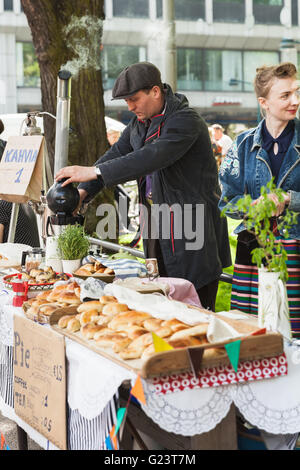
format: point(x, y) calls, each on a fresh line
point(67, 34)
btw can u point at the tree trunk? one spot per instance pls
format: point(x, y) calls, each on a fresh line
point(67, 35)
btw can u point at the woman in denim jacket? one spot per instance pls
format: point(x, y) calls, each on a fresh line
point(271, 150)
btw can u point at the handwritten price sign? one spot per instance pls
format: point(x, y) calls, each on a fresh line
point(40, 379)
point(21, 169)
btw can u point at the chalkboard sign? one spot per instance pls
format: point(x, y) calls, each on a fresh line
point(21, 169)
point(40, 379)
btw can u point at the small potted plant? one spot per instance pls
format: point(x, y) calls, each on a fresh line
point(270, 255)
point(73, 245)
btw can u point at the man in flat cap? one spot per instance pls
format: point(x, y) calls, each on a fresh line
point(166, 148)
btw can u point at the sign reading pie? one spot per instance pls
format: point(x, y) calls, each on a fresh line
point(21, 169)
point(40, 379)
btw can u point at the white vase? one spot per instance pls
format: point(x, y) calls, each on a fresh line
point(273, 307)
point(71, 265)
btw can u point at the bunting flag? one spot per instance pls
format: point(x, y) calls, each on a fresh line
point(2, 441)
point(160, 344)
point(120, 416)
point(113, 438)
point(233, 352)
point(108, 443)
point(137, 391)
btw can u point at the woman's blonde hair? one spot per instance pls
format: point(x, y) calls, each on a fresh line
point(266, 75)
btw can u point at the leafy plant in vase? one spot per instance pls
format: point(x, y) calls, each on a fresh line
point(270, 255)
point(73, 245)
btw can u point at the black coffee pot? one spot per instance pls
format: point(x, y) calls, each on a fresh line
point(62, 201)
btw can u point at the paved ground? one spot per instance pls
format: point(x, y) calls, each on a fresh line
point(9, 430)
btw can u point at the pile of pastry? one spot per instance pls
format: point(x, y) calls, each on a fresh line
point(64, 295)
point(43, 276)
point(127, 332)
point(94, 269)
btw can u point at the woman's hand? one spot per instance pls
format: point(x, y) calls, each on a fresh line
point(280, 206)
point(76, 174)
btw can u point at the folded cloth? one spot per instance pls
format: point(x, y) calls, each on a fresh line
point(122, 267)
point(181, 290)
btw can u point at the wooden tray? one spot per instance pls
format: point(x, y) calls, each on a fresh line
point(177, 360)
point(41, 317)
point(108, 278)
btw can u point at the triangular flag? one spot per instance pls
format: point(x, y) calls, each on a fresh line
point(7, 448)
point(2, 441)
point(108, 443)
point(233, 351)
point(137, 391)
point(113, 438)
point(160, 344)
point(120, 416)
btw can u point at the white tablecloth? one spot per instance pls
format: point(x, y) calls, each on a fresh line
point(272, 405)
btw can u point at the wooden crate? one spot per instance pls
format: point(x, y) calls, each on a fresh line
point(177, 360)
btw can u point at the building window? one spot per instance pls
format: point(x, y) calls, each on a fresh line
point(229, 11)
point(254, 59)
point(8, 5)
point(267, 11)
point(189, 69)
point(185, 10)
point(116, 58)
point(220, 68)
point(131, 8)
point(28, 72)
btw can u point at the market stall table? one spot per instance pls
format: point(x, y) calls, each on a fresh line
point(202, 415)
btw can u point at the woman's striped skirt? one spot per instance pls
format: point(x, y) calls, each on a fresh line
point(244, 294)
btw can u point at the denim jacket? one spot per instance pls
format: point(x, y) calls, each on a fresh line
point(246, 168)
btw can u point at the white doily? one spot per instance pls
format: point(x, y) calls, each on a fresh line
point(273, 405)
point(92, 379)
point(188, 412)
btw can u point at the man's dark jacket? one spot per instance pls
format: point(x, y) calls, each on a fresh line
point(175, 149)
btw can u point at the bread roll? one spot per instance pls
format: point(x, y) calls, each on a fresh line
point(43, 295)
point(148, 352)
point(175, 324)
point(100, 271)
point(69, 298)
point(108, 271)
point(47, 309)
point(77, 292)
point(197, 330)
point(135, 331)
point(63, 321)
point(131, 353)
point(73, 325)
point(185, 342)
point(114, 308)
point(106, 299)
point(104, 319)
point(85, 317)
point(210, 353)
point(82, 272)
point(89, 266)
point(109, 340)
point(90, 305)
point(152, 324)
point(121, 345)
point(89, 329)
point(124, 319)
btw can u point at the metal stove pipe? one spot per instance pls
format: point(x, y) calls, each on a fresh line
point(62, 120)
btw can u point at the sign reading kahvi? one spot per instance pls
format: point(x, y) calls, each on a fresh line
point(40, 379)
point(21, 169)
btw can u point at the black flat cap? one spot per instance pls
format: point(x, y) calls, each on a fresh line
point(134, 78)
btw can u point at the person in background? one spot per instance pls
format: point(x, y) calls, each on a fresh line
point(221, 139)
point(167, 149)
point(271, 150)
point(26, 229)
point(217, 149)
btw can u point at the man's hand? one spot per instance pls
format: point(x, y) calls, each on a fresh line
point(76, 174)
